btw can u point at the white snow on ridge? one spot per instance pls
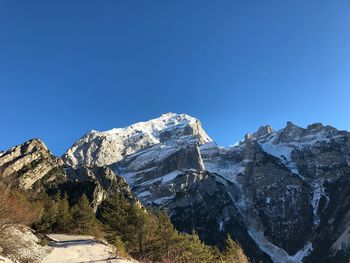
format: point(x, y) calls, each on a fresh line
point(108, 147)
point(168, 121)
point(283, 152)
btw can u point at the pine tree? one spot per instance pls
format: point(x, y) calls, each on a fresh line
point(119, 245)
point(129, 222)
point(136, 228)
point(48, 220)
point(64, 217)
point(167, 236)
point(152, 237)
point(113, 214)
point(84, 218)
point(191, 249)
point(233, 252)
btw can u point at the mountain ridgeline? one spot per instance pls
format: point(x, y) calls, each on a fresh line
point(283, 195)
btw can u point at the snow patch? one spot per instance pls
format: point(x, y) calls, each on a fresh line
point(162, 179)
point(318, 192)
point(143, 194)
point(163, 199)
point(282, 152)
point(221, 226)
point(228, 171)
point(268, 200)
point(277, 254)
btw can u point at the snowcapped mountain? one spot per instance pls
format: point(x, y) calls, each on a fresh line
point(275, 186)
point(104, 148)
point(284, 195)
point(288, 181)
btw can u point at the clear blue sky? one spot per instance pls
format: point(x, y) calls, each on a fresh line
point(67, 67)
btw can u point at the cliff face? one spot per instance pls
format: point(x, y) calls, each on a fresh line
point(25, 164)
point(291, 182)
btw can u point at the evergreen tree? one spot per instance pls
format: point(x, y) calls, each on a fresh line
point(129, 222)
point(113, 214)
point(119, 245)
point(84, 219)
point(152, 237)
point(233, 252)
point(64, 217)
point(194, 250)
point(167, 236)
point(136, 229)
point(48, 220)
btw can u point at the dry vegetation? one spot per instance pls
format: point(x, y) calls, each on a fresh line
point(15, 211)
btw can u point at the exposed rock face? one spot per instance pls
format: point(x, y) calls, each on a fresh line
point(104, 148)
point(31, 166)
point(96, 183)
point(25, 164)
point(206, 202)
point(290, 182)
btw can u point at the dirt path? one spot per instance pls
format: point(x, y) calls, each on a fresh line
point(79, 249)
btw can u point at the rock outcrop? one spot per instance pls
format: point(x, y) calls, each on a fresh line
point(25, 164)
point(31, 166)
point(97, 183)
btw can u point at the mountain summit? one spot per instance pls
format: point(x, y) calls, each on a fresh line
point(104, 148)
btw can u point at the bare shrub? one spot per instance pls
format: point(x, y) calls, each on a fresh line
point(15, 210)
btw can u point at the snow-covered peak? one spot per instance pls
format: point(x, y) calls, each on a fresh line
point(283, 142)
point(294, 135)
point(107, 147)
point(170, 122)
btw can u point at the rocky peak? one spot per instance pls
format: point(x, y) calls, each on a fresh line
point(263, 132)
point(108, 147)
point(27, 163)
point(267, 129)
point(315, 126)
point(247, 136)
point(290, 132)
